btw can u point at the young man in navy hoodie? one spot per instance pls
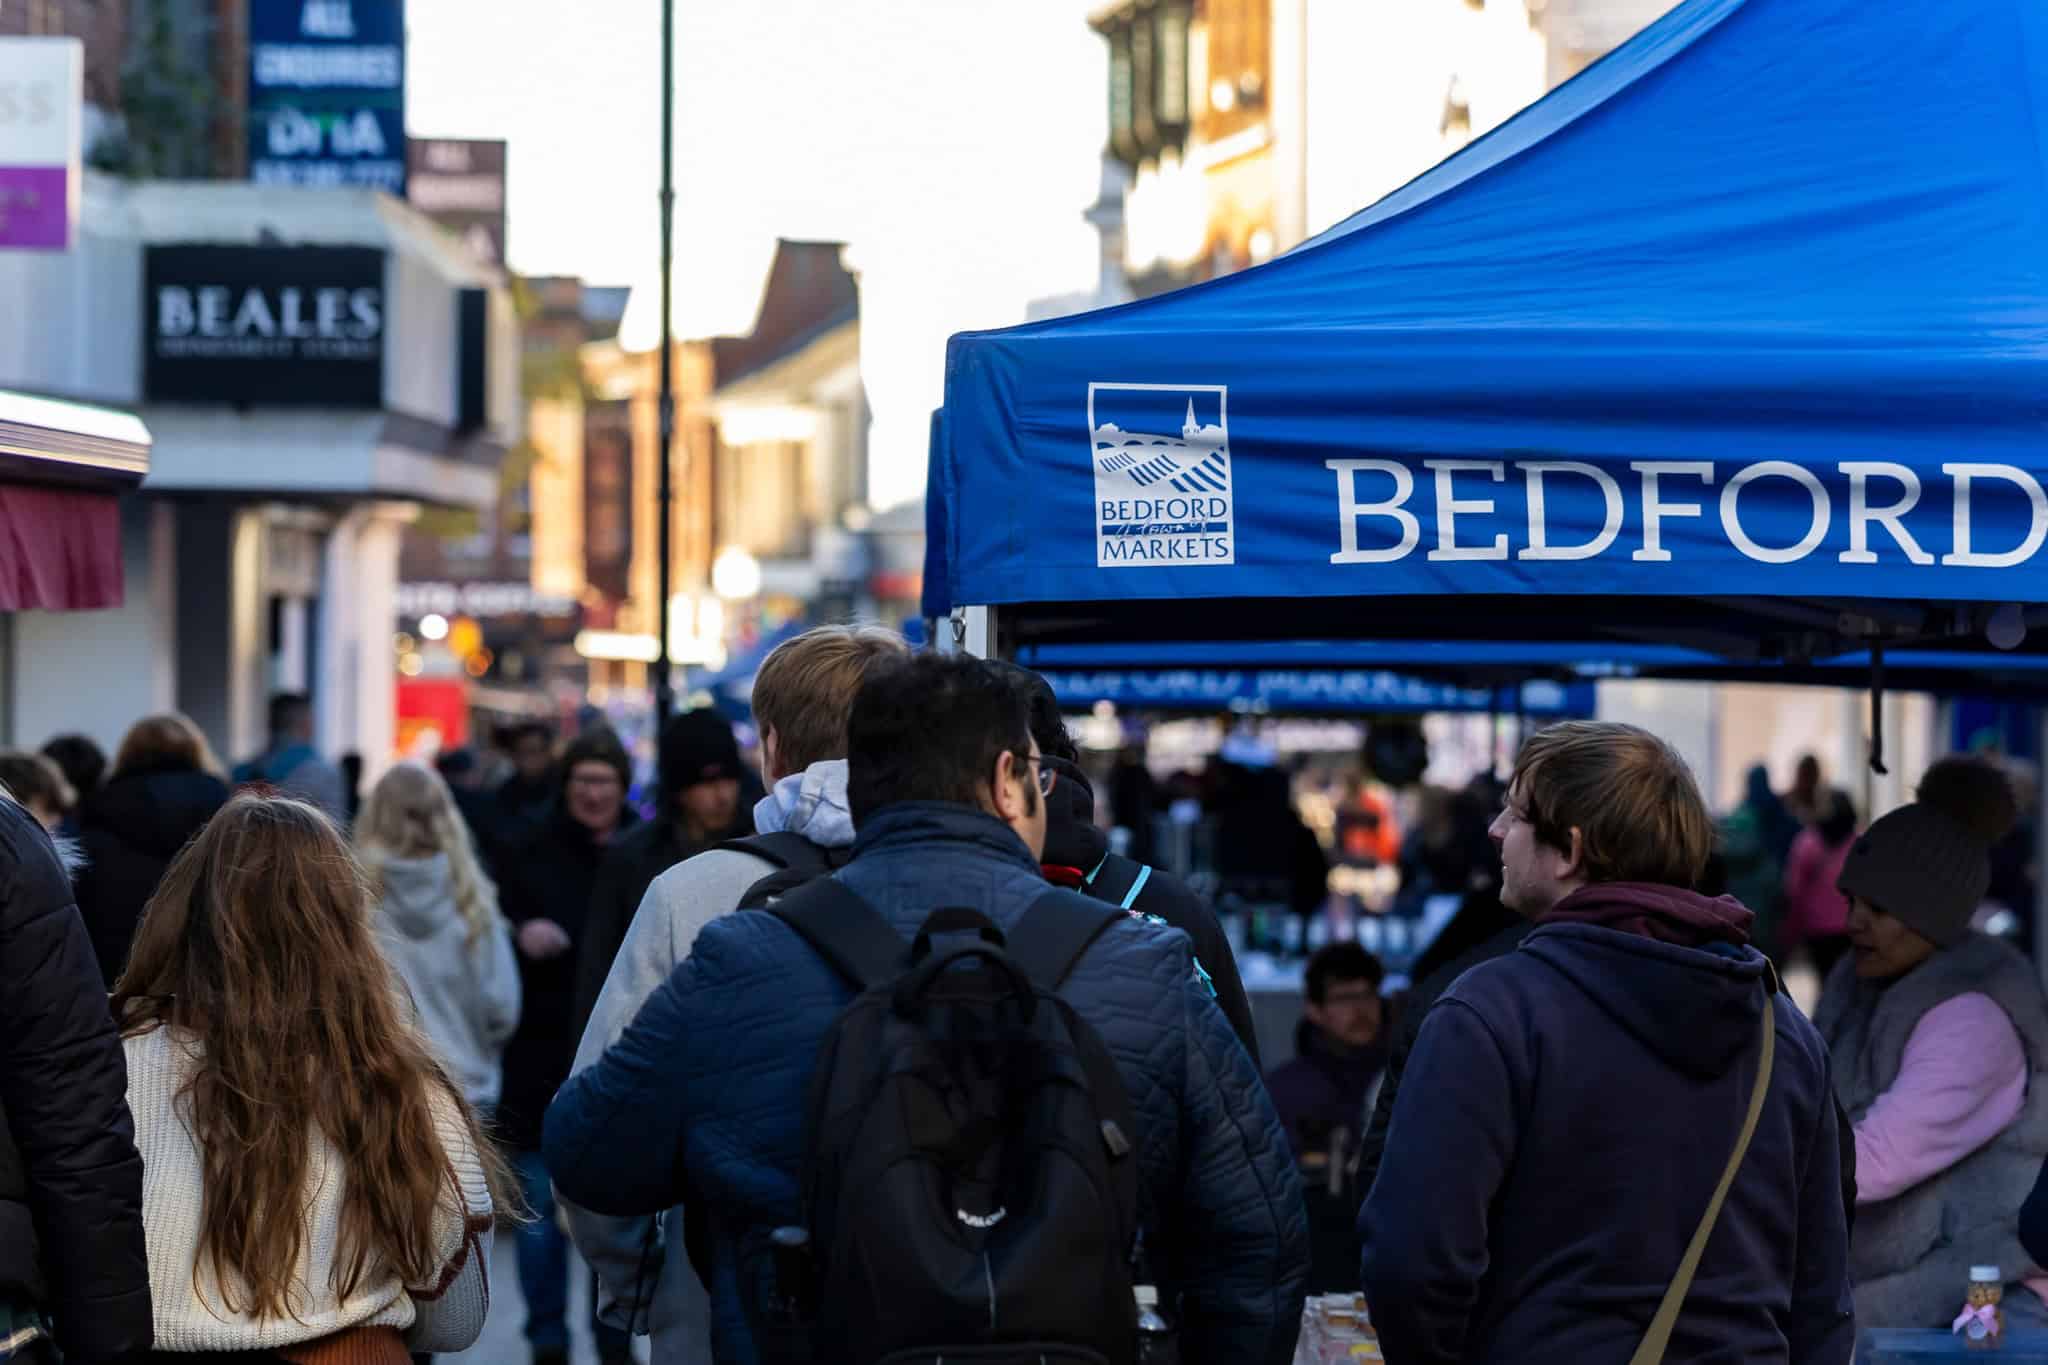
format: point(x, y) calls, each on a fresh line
point(1569, 1108)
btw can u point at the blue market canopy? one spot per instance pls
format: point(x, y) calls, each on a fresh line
point(1311, 691)
point(1739, 340)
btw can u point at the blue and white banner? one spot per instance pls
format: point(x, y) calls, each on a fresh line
point(1714, 319)
point(1314, 691)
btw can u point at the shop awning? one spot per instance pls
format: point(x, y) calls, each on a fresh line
point(48, 440)
point(60, 549)
point(62, 467)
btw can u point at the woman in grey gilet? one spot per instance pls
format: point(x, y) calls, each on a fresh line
point(1940, 1043)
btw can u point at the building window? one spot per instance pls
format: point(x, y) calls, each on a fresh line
point(1148, 77)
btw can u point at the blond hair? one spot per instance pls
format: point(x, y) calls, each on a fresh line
point(1639, 814)
point(804, 690)
point(411, 814)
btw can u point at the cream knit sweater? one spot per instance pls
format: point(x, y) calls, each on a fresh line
point(190, 1312)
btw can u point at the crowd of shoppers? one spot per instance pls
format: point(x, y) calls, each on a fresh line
point(528, 1004)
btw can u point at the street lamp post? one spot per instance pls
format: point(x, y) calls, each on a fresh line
point(664, 692)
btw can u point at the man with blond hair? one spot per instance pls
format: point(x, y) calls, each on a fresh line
point(1571, 1108)
point(803, 695)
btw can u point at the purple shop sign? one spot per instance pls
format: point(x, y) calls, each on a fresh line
point(35, 209)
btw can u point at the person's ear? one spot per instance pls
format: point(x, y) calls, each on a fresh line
point(1575, 864)
point(1005, 790)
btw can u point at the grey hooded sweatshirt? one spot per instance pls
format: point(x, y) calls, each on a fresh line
point(647, 1285)
point(467, 994)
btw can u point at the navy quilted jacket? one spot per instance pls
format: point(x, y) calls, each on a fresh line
point(709, 1082)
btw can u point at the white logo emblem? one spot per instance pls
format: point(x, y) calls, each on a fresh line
point(981, 1220)
point(1161, 498)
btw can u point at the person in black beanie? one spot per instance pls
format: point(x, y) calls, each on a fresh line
point(698, 808)
point(1939, 1039)
point(1077, 855)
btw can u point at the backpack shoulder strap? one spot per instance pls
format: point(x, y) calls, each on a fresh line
point(796, 860)
point(1651, 1351)
point(781, 848)
point(1049, 941)
point(1118, 880)
point(845, 930)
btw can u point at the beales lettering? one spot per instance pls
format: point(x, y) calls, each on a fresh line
point(1881, 503)
point(215, 311)
point(266, 324)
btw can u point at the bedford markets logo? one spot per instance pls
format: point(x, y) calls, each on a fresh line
point(1162, 474)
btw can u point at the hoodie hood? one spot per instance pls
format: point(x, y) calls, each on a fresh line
point(1668, 914)
point(811, 803)
point(1072, 838)
point(419, 894)
point(1697, 1009)
point(155, 812)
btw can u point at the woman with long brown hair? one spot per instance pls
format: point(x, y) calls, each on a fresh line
point(315, 1189)
point(438, 920)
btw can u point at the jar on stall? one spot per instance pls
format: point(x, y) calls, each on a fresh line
point(1982, 1321)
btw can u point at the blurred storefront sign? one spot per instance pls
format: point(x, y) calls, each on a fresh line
point(460, 184)
point(41, 110)
point(327, 93)
point(264, 324)
point(479, 599)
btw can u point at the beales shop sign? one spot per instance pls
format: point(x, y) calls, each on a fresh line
point(265, 325)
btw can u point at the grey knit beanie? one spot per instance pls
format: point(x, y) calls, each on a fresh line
point(1921, 866)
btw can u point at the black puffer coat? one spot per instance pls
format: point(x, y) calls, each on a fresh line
point(130, 830)
point(70, 1179)
point(551, 877)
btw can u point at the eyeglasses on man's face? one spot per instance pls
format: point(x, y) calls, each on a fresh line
point(1046, 774)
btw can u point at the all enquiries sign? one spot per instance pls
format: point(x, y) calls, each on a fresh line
point(327, 93)
point(265, 325)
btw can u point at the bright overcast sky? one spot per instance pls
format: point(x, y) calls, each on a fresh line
point(953, 143)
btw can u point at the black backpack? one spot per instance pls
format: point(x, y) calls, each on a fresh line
point(971, 1183)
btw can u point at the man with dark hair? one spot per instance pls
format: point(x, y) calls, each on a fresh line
point(1340, 1049)
point(523, 802)
point(706, 1088)
point(697, 808)
point(290, 763)
point(802, 698)
point(546, 894)
point(1323, 1094)
point(1585, 1101)
point(84, 765)
point(1077, 855)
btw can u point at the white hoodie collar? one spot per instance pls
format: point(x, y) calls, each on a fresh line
point(811, 803)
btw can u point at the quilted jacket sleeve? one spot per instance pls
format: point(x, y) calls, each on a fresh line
point(1244, 1265)
point(614, 1135)
point(64, 1093)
